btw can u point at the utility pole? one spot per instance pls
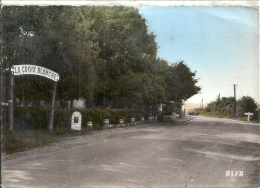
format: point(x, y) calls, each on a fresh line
point(235, 102)
point(10, 102)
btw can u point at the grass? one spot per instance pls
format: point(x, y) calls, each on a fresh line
point(18, 140)
point(218, 115)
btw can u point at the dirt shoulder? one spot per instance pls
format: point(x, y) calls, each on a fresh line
point(73, 138)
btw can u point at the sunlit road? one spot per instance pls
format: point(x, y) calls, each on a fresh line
point(205, 152)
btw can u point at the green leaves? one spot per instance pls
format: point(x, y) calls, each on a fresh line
point(57, 38)
point(225, 106)
point(181, 83)
point(99, 52)
point(246, 104)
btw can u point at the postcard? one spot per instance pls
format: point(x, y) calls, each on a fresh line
point(130, 94)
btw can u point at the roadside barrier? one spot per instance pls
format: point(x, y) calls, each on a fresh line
point(106, 123)
point(133, 121)
point(90, 126)
point(121, 122)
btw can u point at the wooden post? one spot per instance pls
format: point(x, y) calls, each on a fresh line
point(235, 104)
point(50, 126)
point(10, 102)
point(16, 71)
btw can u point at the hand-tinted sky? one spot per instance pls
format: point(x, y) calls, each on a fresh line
point(220, 43)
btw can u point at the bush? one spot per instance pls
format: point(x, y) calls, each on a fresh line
point(37, 118)
point(16, 141)
point(247, 104)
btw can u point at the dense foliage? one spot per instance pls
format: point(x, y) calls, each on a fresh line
point(247, 104)
point(37, 118)
point(101, 53)
point(225, 106)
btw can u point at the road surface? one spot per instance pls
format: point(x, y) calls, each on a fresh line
point(205, 152)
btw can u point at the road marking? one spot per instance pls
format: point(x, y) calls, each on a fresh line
point(234, 173)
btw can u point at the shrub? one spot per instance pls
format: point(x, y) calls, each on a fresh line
point(37, 118)
point(15, 141)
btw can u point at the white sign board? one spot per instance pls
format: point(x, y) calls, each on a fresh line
point(35, 70)
point(76, 121)
point(248, 114)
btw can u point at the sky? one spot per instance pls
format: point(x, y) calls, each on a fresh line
point(220, 43)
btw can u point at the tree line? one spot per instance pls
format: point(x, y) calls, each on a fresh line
point(101, 53)
point(225, 106)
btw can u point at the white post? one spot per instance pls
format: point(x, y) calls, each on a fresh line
point(248, 114)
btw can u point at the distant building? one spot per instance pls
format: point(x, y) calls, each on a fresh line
point(80, 104)
point(190, 108)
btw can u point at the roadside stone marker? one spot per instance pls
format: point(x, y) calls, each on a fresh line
point(248, 114)
point(90, 126)
point(76, 121)
point(121, 122)
point(106, 122)
point(132, 120)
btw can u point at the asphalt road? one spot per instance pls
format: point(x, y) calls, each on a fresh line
point(205, 152)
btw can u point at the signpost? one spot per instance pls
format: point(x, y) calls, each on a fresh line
point(248, 114)
point(33, 70)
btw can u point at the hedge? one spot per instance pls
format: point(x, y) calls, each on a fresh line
point(37, 118)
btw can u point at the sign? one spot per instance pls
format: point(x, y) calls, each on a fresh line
point(35, 70)
point(76, 121)
point(248, 114)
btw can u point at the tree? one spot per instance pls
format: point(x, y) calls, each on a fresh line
point(128, 51)
point(224, 106)
point(181, 83)
point(54, 37)
point(247, 104)
point(101, 53)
